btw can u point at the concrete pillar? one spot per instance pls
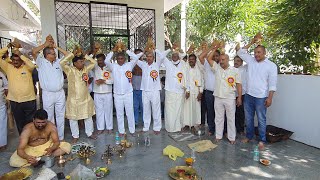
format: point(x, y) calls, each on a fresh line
point(183, 25)
point(48, 19)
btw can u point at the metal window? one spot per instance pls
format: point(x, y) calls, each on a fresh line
point(86, 23)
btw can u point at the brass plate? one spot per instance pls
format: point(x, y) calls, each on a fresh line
point(189, 173)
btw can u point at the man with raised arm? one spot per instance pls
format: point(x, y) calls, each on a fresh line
point(150, 86)
point(122, 88)
point(177, 90)
point(21, 90)
point(38, 138)
point(261, 85)
point(51, 82)
point(227, 83)
point(209, 83)
point(79, 102)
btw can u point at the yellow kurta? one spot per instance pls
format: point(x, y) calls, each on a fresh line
point(79, 103)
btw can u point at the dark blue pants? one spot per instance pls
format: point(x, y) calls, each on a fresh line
point(254, 105)
point(210, 110)
point(137, 105)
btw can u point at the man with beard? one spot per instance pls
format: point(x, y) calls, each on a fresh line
point(177, 90)
point(192, 104)
point(38, 138)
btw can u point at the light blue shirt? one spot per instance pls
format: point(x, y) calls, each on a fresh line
point(50, 75)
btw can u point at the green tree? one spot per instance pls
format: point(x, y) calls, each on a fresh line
point(294, 30)
point(225, 19)
point(172, 22)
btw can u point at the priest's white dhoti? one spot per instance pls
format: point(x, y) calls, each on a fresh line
point(173, 111)
point(191, 111)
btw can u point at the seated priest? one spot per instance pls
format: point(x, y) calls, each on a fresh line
point(38, 138)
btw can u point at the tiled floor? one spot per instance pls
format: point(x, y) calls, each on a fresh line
point(290, 159)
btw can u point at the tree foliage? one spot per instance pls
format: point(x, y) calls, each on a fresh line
point(294, 27)
point(291, 27)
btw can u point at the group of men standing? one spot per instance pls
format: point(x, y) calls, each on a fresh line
point(204, 76)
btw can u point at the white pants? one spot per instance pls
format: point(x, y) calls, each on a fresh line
point(104, 110)
point(88, 123)
point(121, 102)
point(3, 125)
point(151, 102)
point(221, 106)
point(55, 102)
point(173, 111)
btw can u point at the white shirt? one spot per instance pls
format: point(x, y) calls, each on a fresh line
point(121, 83)
point(148, 82)
point(50, 75)
point(209, 77)
point(105, 74)
point(226, 80)
point(173, 82)
point(261, 76)
point(243, 70)
point(3, 86)
point(196, 81)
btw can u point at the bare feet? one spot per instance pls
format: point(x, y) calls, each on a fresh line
point(232, 142)
point(109, 131)
point(156, 132)
point(74, 140)
point(261, 146)
point(2, 148)
point(217, 140)
point(210, 133)
point(245, 140)
point(94, 137)
point(121, 135)
point(133, 134)
point(186, 128)
point(98, 132)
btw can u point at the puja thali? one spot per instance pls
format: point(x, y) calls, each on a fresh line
point(183, 173)
point(20, 174)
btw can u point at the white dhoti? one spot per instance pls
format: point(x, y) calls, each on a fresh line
point(121, 102)
point(151, 104)
point(173, 111)
point(191, 111)
point(3, 125)
point(222, 105)
point(104, 110)
point(88, 123)
point(55, 103)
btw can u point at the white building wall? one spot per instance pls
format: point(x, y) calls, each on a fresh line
point(48, 21)
point(296, 107)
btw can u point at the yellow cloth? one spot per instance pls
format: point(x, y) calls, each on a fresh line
point(172, 152)
point(19, 79)
point(37, 151)
point(79, 103)
point(202, 146)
